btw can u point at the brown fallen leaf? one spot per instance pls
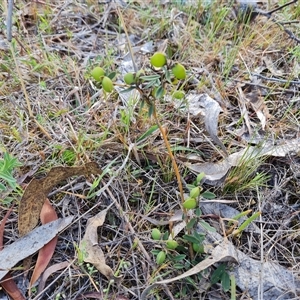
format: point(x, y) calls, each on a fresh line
point(2, 226)
point(11, 288)
point(48, 214)
point(30, 243)
point(49, 271)
point(92, 252)
point(38, 189)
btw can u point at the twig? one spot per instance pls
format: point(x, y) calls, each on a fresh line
point(268, 14)
point(9, 20)
point(275, 79)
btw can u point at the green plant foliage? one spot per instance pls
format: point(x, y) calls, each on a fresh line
point(220, 275)
point(147, 133)
point(208, 195)
point(7, 166)
point(68, 157)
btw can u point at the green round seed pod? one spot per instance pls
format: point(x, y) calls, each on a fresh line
point(98, 73)
point(195, 192)
point(156, 234)
point(129, 78)
point(161, 257)
point(158, 60)
point(199, 248)
point(171, 244)
point(178, 95)
point(107, 84)
point(190, 203)
point(179, 71)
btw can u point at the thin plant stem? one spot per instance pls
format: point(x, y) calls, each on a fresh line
point(174, 163)
point(176, 170)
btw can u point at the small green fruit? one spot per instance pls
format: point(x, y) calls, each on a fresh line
point(158, 60)
point(156, 234)
point(199, 248)
point(179, 71)
point(107, 84)
point(190, 203)
point(195, 192)
point(161, 257)
point(171, 244)
point(98, 73)
point(129, 78)
point(178, 95)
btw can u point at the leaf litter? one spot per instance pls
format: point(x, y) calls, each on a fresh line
point(30, 243)
point(89, 246)
point(37, 191)
point(68, 114)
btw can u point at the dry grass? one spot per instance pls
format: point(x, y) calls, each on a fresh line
point(64, 123)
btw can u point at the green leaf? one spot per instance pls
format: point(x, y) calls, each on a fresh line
point(217, 274)
point(208, 195)
point(191, 223)
point(155, 251)
point(159, 93)
point(179, 257)
point(150, 77)
point(199, 236)
point(165, 236)
point(142, 104)
point(112, 75)
point(147, 133)
point(206, 226)
point(190, 186)
point(167, 74)
point(128, 89)
point(178, 266)
point(2, 187)
point(190, 238)
point(151, 83)
point(151, 109)
point(225, 280)
point(200, 177)
point(198, 212)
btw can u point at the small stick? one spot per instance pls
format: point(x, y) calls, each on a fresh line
point(9, 19)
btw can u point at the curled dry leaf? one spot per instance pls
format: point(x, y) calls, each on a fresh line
point(49, 271)
point(38, 189)
point(92, 253)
